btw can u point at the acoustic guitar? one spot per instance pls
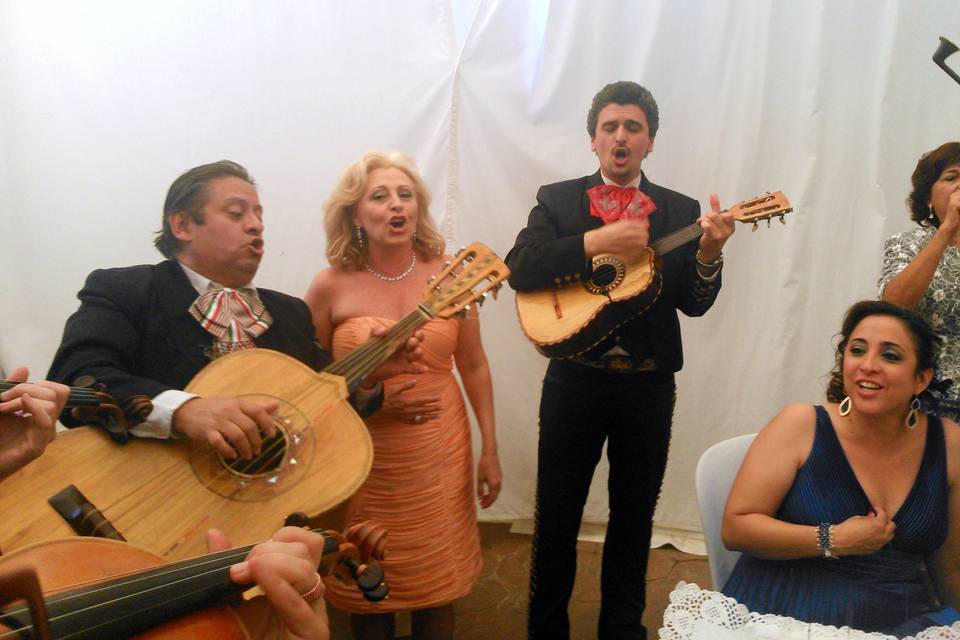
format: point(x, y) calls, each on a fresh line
point(163, 495)
point(565, 322)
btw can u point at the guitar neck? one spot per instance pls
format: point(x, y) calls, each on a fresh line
point(361, 361)
point(79, 396)
point(752, 210)
point(676, 239)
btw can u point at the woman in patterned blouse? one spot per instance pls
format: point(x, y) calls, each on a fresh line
point(921, 267)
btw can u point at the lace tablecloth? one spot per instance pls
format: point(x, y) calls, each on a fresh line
point(697, 614)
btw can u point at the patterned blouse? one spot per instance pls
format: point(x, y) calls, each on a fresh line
point(940, 305)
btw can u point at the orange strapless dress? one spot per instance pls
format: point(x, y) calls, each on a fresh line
point(421, 485)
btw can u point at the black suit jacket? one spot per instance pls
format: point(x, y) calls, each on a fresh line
point(134, 333)
point(549, 253)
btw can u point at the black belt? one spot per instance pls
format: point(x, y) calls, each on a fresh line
point(620, 363)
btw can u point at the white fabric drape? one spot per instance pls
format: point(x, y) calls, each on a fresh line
point(103, 103)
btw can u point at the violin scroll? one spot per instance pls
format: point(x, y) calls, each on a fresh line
point(354, 557)
point(90, 403)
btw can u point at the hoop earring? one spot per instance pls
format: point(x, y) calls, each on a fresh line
point(912, 417)
point(845, 405)
point(359, 230)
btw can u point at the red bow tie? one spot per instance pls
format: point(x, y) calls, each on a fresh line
point(610, 202)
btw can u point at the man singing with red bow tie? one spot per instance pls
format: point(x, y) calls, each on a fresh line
point(622, 390)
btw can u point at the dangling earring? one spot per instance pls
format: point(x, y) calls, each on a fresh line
point(359, 236)
point(845, 406)
point(912, 417)
point(414, 238)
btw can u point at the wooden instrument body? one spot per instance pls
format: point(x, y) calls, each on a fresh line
point(61, 565)
point(565, 322)
point(163, 496)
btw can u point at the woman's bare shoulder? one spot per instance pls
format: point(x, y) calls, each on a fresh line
point(790, 430)
point(794, 417)
point(326, 284)
point(951, 434)
point(330, 278)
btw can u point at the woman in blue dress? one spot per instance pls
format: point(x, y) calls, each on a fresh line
point(849, 513)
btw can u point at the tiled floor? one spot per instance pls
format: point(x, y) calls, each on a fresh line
point(496, 608)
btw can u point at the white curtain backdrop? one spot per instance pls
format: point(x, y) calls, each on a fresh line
point(103, 104)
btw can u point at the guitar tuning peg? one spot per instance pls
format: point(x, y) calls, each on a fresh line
point(481, 299)
point(782, 221)
point(446, 263)
point(459, 251)
point(768, 223)
point(755, 225)
point(431, 279)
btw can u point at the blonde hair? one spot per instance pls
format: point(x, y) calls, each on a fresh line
point(343, 249)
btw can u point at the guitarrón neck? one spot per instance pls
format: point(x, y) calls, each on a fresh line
point(678, 238)
point(358, 363)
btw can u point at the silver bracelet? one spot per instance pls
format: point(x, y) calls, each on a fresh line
point(713, 266)
point(825, 539)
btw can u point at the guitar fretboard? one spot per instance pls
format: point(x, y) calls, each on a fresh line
point(678, 238)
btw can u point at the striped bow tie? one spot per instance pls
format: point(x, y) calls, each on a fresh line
point(231, 316)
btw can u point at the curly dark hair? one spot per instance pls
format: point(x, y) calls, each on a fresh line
point(624, 92)
point(925, 339)
point(928, 170)
point(189, 193)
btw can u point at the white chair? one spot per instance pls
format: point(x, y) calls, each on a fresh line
point(715, 473)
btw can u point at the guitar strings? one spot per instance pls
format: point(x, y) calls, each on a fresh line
point(677, 238)
point(362, 360)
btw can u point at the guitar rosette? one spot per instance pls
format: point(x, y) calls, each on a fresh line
point(282, 461)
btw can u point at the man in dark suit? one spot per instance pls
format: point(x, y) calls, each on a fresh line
point(147, 330)
point(621, 390)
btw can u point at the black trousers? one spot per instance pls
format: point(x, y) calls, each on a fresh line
point(580, 408)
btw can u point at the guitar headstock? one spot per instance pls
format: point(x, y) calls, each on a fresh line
point(474, 272)
point(762, 207)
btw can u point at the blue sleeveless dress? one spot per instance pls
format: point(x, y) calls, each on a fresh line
point(886, 591)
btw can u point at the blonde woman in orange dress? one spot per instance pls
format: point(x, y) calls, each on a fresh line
point(383, 247)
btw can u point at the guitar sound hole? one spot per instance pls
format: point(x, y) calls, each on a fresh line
point(604, 275)
point(273, 451)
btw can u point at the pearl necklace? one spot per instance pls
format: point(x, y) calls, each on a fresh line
point(377, 274)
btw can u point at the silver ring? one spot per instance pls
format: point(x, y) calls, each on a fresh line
point(417, 419)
